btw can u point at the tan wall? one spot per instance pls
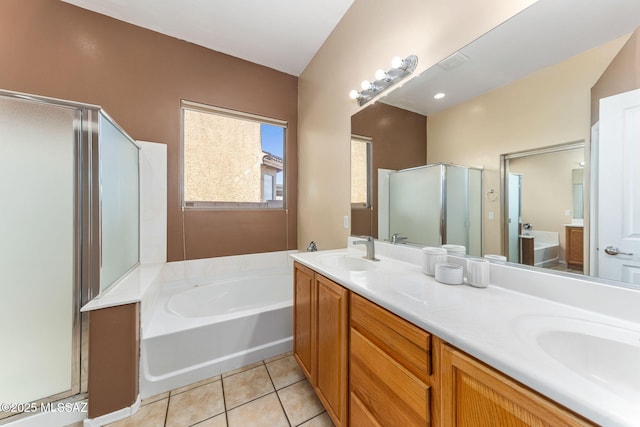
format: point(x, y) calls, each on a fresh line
point(368, 36)
point(622, 75)
point(547, 190)
point(547, 108)
point(398, 141)
point(55, 49)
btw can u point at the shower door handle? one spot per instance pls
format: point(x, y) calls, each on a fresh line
point(612, 250)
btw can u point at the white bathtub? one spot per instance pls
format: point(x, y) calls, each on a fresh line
point(215, 319)
point(546, 248)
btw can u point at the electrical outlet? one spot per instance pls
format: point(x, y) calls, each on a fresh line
point(490, 215)
point(345, 222)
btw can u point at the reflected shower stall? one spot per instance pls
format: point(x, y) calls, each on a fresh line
point(437, 204)
point(68, 230)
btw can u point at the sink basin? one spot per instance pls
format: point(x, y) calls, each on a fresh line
point(604, 354)
point(347, 262)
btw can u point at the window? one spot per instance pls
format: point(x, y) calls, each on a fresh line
point(231, 159)
point(360, 172)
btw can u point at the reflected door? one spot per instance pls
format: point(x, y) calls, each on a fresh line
point(619, 188)
point(513, 216)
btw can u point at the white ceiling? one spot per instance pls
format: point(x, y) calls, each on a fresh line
point(280, 34)
point(544, 34)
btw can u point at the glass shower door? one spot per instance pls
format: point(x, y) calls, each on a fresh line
point(38, 251)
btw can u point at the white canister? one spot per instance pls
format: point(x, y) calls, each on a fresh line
point(499, 259)
point(432, 256)
point(450, 274)
point(478, 272)
point(457, 250)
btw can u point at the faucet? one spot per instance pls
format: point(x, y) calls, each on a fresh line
point(371, 249)
point(397, 238)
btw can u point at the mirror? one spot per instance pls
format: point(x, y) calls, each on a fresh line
point(544, 174)
point(524, 85)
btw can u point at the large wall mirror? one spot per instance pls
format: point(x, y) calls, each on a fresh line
point(519, 101)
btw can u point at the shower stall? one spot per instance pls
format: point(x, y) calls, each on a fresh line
point(69, 228)
point(437, 204)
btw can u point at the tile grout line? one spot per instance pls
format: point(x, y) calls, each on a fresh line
point(278, 395)
point(224, 401)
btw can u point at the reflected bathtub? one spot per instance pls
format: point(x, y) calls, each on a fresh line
point(196, 328)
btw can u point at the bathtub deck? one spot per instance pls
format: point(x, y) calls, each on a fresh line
point(270, 393)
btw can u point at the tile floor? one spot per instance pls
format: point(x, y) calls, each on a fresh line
point(271, 393)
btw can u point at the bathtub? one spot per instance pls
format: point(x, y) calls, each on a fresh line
point(546, 248)
point(205, 317)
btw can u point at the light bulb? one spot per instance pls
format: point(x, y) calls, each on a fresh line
point(381, 74)
point(354, 94)
point(397, 62)
point(365, 85)
point(439, 95)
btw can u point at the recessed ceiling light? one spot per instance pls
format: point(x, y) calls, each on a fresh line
point(439, 95)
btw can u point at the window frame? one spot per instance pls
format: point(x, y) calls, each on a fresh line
point(369, 174)
point(239, 115)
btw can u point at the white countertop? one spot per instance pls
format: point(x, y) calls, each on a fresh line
point(498, 324)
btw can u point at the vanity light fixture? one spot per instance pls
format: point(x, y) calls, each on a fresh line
point(401, 68)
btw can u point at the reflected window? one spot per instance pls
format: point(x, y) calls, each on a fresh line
point(231, 159)
point(360, 172)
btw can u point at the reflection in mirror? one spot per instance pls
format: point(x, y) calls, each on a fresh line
point(398, 140)
point(360, 172)
point(437, 204)
point(526, 84)
point(534, 230)
point(577, 181)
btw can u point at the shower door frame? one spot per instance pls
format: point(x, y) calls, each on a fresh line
point(86, 259)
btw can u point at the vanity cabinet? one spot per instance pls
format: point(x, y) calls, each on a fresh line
point(320, 338)
point(574, 250)
point(473, 394)
point(398, 374)
point(390, 366)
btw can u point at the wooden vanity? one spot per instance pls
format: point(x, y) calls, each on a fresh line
point(574, 251)
point(370, 367)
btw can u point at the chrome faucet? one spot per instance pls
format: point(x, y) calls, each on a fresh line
point(397, 238)
point(371, 249)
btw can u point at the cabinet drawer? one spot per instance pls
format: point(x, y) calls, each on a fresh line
point(404, 342)
point(387, 392)
point(359, 415)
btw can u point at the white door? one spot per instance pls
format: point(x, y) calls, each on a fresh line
point(513, 215)
point(619, 188)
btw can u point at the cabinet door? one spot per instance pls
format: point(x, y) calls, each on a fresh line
point(475, 395)
point(574, 250)
point(303, 318)
point(331, 345)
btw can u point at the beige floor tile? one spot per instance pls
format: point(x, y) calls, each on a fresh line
point(244, 368)
point(217, 421)
point(284, 372)
point(151, 415)
point(263, 412)
point(322, 420)
point(300, 402)
point(155, 398)
point(195, 405)
point(194, 385)
point(279, 356)
point(246, 386)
